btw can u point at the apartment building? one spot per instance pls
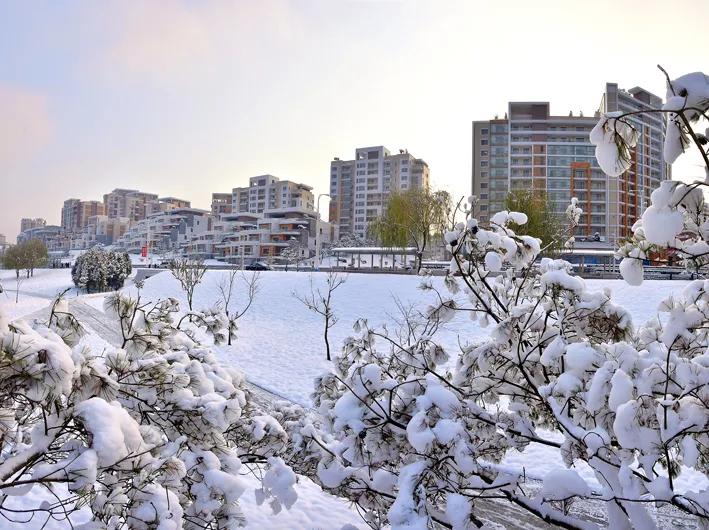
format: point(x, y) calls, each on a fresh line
point(100, 230)
point(266, 192)
point(3, 243)
point(531, 149)
point(133, 204)
point(26, 223)
point(76, 213)
point(249, 237)
point(221, 203)
point(53, 236)
point(167, 231)
point(360, 188)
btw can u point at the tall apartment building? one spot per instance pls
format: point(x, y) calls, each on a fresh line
point(531, 149)
point(133, 204)
point(26, 223)
point(75, 213)
point(360, 188)
point(267, 192)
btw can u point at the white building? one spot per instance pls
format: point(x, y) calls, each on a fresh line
point(249, 237)
point(360, 188)
point(266, 192)
point(172, 230)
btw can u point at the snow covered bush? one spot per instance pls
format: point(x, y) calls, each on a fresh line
point(416, 440)
point(99, 270)
point(151, 435)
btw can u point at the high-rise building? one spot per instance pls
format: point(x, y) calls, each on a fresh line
point(26, 223)
point(76, 213)
point(267, 192)
point(531, 149)
point(360, 188)
point(133, 204)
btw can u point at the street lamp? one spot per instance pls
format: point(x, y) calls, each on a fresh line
point(318, 242)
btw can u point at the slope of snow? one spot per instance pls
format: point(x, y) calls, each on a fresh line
point(35, 292)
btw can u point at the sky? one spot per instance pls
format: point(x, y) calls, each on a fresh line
point(185, 98)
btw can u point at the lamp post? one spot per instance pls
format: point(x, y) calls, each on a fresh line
point(318, 242)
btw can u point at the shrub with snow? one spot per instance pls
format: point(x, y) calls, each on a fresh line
point(99, 270)
point(150, 435)
point(416, 440)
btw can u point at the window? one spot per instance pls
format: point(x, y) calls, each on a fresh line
point(483, 153)
point(483, 163)
point(484, 131)
point(483, 142)
point(483, 185)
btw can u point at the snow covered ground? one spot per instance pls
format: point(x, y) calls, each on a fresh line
point(280, 347)
point(35, 293)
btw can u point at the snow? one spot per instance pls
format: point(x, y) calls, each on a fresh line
point(36, 292)
point(279, 347)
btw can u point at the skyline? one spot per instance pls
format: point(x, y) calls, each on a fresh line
point(186, 99)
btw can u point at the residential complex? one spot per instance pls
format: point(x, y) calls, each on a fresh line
point(165, 231)
point(359, 188)
point(531, 149)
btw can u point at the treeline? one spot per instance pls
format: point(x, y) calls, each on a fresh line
point(25, 256)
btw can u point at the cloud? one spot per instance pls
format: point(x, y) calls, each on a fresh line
point(26, 125)
point(170, 40)
point(156, 40)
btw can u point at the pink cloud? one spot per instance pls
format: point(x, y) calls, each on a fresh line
point(26, 125)
point(167, 40)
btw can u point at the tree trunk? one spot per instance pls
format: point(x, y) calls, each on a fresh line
point(327, 342)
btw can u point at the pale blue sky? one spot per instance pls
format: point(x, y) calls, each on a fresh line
point(186, 98)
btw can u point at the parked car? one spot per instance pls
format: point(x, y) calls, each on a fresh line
point(258, 267)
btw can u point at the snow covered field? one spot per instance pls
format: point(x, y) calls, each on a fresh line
point(35, 293)
point(280, 348)
point(280, 343)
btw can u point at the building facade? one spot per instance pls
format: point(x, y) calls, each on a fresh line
point(266, 192)
point(250, 237)
point(531, 149)
point(76, 213)
point(164, 232)
point(221, 203)
point(133, 204)
point(360, 188)
point(26, 223)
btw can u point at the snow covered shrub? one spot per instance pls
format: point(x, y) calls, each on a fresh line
point(153, 434)
point(99, 270)
point(416, 441)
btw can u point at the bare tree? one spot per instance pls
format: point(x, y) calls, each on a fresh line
point(226, 286)
point(189, 272)
point(320, 302)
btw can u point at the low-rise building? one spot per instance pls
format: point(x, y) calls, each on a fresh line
point(54, 237)
point(249, 237)
point(165, 231)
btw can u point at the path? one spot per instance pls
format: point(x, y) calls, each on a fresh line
point(500, 513)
